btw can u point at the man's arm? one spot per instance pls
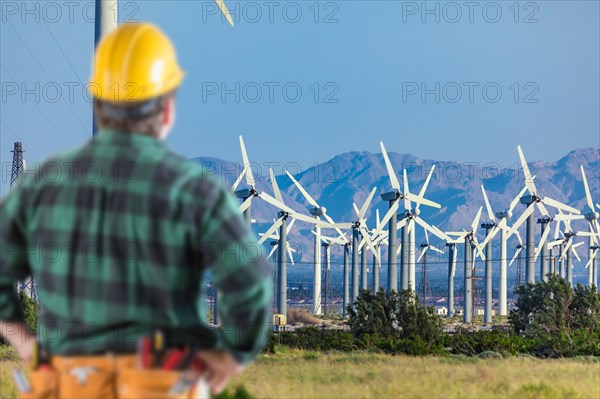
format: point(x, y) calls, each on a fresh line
point(14, 267)
point(240, 271)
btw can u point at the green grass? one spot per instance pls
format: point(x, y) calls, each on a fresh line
point(304, 374)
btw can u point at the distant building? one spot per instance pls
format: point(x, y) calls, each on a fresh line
point(441, 311)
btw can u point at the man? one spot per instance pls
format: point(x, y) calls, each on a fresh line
point(119, 232)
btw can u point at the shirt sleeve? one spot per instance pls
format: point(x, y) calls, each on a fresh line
point(240, 271)
point(14, 265)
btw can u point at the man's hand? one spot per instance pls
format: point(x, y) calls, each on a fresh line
point(220, 367)
point(19, 336)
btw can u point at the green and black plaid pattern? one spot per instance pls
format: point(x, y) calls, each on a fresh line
point(118, 235)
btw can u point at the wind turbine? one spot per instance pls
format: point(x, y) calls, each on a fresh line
point(591, 216)
point(471, 248)
point(533, 200)
point(284, 213)
point(359, 226)
point(452, 254)
point(393, 197)
point(411, 216)
point(499, 221)
point(317, 211)
point(424, 275)
point(225, 11)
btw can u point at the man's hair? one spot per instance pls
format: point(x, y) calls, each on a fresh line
point(145, 117)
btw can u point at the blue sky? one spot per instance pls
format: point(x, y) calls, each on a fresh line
point(361, 67)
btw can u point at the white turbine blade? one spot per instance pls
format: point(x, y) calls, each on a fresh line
point(421, 200)
point(563, 217)
point(528, 178)
point(363, 209)
point(588, 196)
point(516, 200)
point(427, 237)
point(356, 210)
point(591, 259)
point(542, 209)
point(439, 251)
point(557, 229)
point(575, 252)
point(454, 262)
point(289, 226)
point(422, 253)
point(249, 176)
point(239, 179)
point(518, 237)
point(225, 11)
point(568, 246)
point(542, 241)
point(559, 205)
point(278, 204)
point(336, 226)
point(528, 211)
point(390, 168)
point(487, 205)
point(275, 186)
point(428, 228)
point(272, 251)
point(478, 248)
point(303, 191)
point(411, 225)
point(271, 230)
point(424, 188)
point(371, 246)
point(552, 244)
point(377, 220)
point(405, 181)
point(517, 252)
point(492, 234)
point(246, 204)
point(289, 252)
point(328, 258)
point(401, 224)
point(342, 235)
point(392, 212)
point(475, 223)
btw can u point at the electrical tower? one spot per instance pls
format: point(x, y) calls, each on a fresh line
point(475, 291)
point(519, 279)
point(425, 285)
point(17, 173)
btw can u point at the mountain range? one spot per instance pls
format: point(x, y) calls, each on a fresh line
point(349, 177)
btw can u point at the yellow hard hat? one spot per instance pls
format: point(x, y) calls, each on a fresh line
point(135, 62)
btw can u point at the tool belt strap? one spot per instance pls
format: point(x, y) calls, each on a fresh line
point(109, 377)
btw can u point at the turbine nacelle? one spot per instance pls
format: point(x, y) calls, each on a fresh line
point(590, 214)
point(507, 214)
point(529, 198)
point(246, 193)
point(391, 196)
point(317, 211)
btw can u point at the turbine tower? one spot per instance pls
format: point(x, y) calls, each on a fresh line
point(533, 200)
point(393, 198)
point(317, 211)
point(472, 249)
point(500, 220)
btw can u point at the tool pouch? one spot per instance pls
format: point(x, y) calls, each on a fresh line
point(155, 384)
point(44, 385)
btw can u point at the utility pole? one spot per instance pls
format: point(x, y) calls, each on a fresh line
point(106, 19)
point(451, 255)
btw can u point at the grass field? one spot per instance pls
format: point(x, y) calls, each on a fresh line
point(301, 374)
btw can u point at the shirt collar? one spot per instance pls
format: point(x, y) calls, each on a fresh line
point(117, 137)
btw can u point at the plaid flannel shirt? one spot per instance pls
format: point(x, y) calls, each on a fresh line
point(118, 235)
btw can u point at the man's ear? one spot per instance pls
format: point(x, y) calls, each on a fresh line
point(168, 112)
